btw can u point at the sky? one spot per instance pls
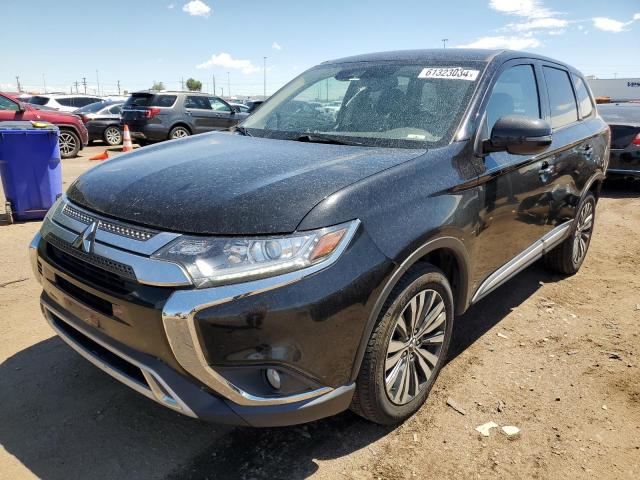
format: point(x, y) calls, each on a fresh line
point(137, 42)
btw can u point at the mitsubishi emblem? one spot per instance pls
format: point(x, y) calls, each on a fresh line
point(84, 241)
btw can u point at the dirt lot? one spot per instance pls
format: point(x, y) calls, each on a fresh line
point(557, 357)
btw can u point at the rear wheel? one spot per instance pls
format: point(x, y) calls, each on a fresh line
point(567, 257)
point(69, 144)
point(112, 136)
point(407, 348)
point(179, 132)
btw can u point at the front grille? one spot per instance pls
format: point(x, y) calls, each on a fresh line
point(84, 271)
point(94, 260)
point(97, 303)
point(135, 233)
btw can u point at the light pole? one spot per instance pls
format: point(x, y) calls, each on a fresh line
point(444, 42)
point(44, 82)
point(213, 77)
point(264, 68)
point(228, 86)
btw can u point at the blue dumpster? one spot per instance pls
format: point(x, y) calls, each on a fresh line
point(30, 168)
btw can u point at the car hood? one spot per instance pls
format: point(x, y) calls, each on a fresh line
point(222, 183)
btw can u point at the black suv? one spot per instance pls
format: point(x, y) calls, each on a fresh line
point(157, 116)
point(308, 263)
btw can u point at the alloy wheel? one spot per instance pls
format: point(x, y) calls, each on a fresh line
point(112, 135)
point(582, 236)
point(180, 133)
point(67, 143)
point(414, 347)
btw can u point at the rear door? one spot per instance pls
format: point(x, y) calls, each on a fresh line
point(515, 189)
point(202, 117)
point(571, 162)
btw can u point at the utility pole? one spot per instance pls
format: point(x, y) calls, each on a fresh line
point(213, 77)
point(222, 90)
point(76, 84)
point(228, 86)
point(44, 83)
point(444, 42)
point(182, 84)
point(84, 84)
point(98, 81)
point(118, 87)
point(18, 82)
point(264, 67)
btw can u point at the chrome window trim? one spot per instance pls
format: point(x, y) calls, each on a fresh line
point(148, 271)
point(523, 260)
point(157, 386)
point(178, 317)
point(623, 171)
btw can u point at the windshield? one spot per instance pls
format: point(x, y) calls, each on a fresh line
point(388, 104)
point(92, 107)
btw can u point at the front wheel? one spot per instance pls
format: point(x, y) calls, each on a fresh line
point(567, 257)
point(69, 144)
point(407, 348)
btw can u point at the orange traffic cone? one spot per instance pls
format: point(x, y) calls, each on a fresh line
point(101, 156)
point(126, 140)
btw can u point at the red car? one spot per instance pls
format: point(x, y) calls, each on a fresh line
point(73, 134)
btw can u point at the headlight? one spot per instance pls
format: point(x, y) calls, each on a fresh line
point(219, 260)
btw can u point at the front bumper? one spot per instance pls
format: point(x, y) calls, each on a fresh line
point(204, 352)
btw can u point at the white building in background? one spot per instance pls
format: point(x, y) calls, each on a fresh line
point(615, 88)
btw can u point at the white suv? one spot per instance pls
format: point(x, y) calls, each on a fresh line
point(64, 103)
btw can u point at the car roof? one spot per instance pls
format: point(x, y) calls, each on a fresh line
point(446, 55)
point(65, 95)
point(172, 92)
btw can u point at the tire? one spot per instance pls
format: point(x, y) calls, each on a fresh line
point(567, 257)
point(112, 135)
point(69, 143)
point(375, 398)
point(179, 132)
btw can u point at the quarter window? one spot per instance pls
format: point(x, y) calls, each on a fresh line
point(562, 103)
point(584, 99)
point(515, 93)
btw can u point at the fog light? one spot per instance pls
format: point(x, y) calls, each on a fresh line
point(273, 377)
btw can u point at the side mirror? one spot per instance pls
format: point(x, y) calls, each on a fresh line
point(519, 135)
point(235, 109)
point(21, 107)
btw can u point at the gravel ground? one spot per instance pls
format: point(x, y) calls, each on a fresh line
point(559, 358)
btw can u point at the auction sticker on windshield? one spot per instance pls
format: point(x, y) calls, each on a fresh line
point(454, 73)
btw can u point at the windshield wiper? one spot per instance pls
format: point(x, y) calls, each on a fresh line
point(314, 138)
point(243, 131)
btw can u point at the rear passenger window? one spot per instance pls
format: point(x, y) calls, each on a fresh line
point(199, 102)
point(515, 93)
point(65, 102)
point(584, 99)
point(561, 100)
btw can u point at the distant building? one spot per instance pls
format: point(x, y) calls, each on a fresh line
point(617, 89)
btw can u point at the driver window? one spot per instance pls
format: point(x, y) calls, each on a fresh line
point(515, 93)
point(6, 104)
point(218, 105)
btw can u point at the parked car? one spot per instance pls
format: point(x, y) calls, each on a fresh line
point(64, 103)
point(157, 116)
point(103, 121)
point(284, 273)
point(624, 122)
point(73, 134)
